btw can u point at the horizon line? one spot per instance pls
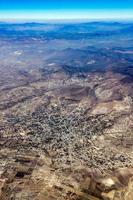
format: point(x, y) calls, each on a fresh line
point(37, 20)
point(68, 15)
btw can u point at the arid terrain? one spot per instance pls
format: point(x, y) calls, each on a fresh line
point(66, 111)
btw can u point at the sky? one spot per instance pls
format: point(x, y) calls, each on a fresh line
point(66, 9)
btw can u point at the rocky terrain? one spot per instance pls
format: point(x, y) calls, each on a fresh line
point(66, 115)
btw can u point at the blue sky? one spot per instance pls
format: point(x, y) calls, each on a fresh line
point(66, 9)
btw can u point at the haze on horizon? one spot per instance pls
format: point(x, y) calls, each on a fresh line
point(65, 9)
